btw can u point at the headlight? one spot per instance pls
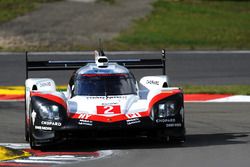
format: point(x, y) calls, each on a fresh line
point(166, 109)
point(49, 112)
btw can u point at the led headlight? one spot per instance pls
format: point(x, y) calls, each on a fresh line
point(49, 112)
point(166, 109)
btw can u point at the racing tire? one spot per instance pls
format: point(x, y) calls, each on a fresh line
point(177, 140)
point(26, 128)
point(32, 140)
point(171, 140)
point(168, 139)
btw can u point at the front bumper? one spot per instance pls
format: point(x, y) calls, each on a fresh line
point(86, 129)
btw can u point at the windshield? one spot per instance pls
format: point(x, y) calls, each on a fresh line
point(105, 84)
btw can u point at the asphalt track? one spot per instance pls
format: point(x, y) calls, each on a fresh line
point(217, 133)
point(185, 67)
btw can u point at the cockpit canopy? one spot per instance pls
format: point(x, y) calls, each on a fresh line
point(104, 85)
point(113, 80)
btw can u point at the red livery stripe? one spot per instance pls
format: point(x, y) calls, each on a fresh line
point(103, 75)
point(203, 97)
point(41, 153)
point(51, 98)
point(108, 119)
point(121, 117)
point(8, 164)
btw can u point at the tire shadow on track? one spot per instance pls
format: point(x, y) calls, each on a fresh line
point(196, 140)
point(203, 140)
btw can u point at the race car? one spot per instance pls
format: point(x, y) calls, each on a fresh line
point(103, 99)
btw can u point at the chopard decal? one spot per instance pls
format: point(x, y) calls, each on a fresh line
point(152, 82)
point(165, 120)
point(50, 123)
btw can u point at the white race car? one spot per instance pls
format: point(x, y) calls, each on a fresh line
point(103, 99)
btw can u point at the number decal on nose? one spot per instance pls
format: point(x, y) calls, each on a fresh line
point(108, 110)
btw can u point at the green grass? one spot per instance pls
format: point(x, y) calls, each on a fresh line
point(190, 24)
point(111, 2)
point(173, 24)
point(230, 89)
point(10, 9)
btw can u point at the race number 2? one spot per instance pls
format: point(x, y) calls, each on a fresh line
point(108, 110)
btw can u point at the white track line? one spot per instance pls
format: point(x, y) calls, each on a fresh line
point(236, 98)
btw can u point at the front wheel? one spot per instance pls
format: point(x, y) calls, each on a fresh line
point(31, 139)
point(165, 137)
point(177, 140)
point(30, 131)
point(26, 128)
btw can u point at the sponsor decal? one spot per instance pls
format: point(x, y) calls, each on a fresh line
point(105, 97)
point(133, 115)
point(108, 110)
point(84, 116)
point(165, 120)
point(44, 84)
point(133, 121)
point(85, 122)
point(50, 123)
point(173, 125)
point(43, 128)
point(152, 82)
point(109, 104)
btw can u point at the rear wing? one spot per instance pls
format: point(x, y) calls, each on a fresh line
point(51, 65)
